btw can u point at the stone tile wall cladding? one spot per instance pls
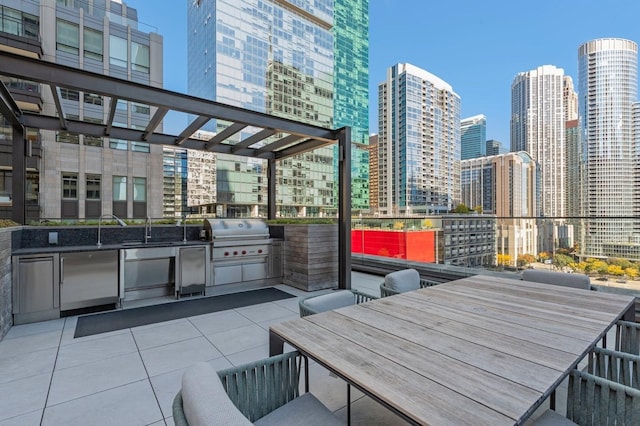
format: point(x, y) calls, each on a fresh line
point(6, 300)
point(311, 256)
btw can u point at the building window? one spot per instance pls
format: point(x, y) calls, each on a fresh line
point(93, 44)
point(119, 188)
point(139, 146)
point(66, 137)
point(67, 37)
point(93, 99)
point(139, 189)
point(70, 95)
point(70, 186)
point(139, 57)
point(118, 51)
point(140, 108)
point(33, 186)
point(93, 140)
point(5, 186)
point(120, 144)
point(93, 187)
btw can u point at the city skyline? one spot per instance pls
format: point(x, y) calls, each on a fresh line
point(478, 48)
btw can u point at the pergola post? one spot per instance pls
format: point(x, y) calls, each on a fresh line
point(344, 207)
point(271, 188)
point(18, 176)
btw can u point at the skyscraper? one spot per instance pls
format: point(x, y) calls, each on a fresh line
point(419, 143)
point(88, 176)
point(473, 137)
point(495, 147)
point(537, 127)
point(505, 185)
point(607, 90)
point(299, 60)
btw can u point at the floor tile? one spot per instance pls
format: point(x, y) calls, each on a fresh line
point(23, 396)
point(35, 328)
point(367, 412)
point(30, 343)
point(239, 339)
point(95, 349)
point(290, 304)
point(28, 364)
point(268, 323)
point(93, 377)
point(166, 385)
point(264, 312)
point(132, 404)
point(174, 356)
point(70, 329)
point(30, 419)
point(219, 321)
point(250, 355)
point(149, 337)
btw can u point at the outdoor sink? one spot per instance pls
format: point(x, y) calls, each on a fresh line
point(142, 244)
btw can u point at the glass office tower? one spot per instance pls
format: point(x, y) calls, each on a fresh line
point(277, 57)
point(473, 137)
point(607, 90)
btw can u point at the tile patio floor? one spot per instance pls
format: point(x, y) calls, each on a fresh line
point(129, 377)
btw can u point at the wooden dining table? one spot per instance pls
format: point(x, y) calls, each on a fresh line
point(481, 350)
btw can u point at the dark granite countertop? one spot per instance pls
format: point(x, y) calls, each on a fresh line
point(94, 247)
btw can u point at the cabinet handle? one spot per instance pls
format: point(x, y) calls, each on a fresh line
point(61, 270)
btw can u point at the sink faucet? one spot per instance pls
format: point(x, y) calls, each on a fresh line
point(147, 229)
point(120, 222)
point(183, 222)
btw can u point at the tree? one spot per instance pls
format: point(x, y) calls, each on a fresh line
point(631, 272)
point(615, 270)
point(561, 260)
point(543, 255)
point(461, 208)
point(525, 260)
point(478, 209)
point(504, 259)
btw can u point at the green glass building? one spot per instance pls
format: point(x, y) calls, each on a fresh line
point(302, 60)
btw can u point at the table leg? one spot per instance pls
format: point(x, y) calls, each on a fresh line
point(348, 404)
point(276, 344)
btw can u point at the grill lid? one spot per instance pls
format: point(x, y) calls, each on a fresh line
point(236, 228)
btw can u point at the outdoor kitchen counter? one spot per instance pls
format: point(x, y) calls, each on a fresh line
point(94, 247)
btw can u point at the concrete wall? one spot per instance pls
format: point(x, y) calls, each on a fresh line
point(6, 299)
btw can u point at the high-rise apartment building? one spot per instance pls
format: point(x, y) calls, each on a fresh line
point(505, 185)
point(298, 60)
point(83, 177)
point(607, 91)
point(537, 127)
point(575, 184)
point(419, 143)
point(495, 147)
point(473, 137)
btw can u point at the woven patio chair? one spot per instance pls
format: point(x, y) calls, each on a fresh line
point(619, 367)
point(265, 392)
point(401, 281)
point(628, 337)
point(594, 400)
point(557, 278)
point(330, 301)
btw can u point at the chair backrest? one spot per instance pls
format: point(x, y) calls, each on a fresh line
point(327, 302)
point(557, 278)
point(620, 367)
point(596, 401)
point(403, 280)
point(628, 337)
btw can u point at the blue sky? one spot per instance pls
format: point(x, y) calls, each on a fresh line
point(477, 47)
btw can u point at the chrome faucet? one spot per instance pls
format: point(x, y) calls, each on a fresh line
point(120, 222)
point(147, 229)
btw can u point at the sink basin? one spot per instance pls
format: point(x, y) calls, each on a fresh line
point(142, 244)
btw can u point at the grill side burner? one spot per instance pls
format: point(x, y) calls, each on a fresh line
point(240, 249)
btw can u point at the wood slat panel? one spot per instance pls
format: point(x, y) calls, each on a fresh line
point(425, 401)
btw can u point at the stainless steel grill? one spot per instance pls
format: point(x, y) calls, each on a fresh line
point(240, 249)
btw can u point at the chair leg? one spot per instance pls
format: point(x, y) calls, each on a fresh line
point(348, 404)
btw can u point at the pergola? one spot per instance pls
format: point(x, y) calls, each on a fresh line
point(276, 139)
